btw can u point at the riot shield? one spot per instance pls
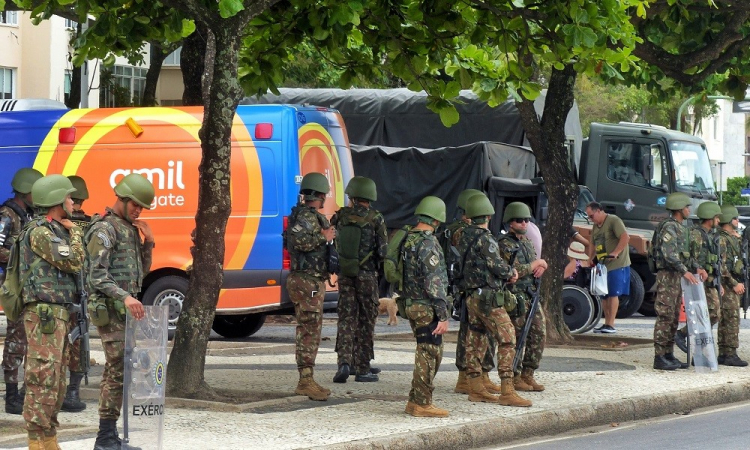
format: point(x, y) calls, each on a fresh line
point(700, 335)
point(145, 379)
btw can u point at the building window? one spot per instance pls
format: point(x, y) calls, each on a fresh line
point(173, 59)
point(71, 24)
point(7, 83)
point(125, 86)
point(9, 17)
point(68, 84)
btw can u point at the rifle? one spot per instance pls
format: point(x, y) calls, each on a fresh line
point(529, 318)
point(458, 301)
point(81, 331)
point(745, 255)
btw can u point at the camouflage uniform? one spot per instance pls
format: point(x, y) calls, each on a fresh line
point(424, 294)
point(118, 261)
point(358, 296)
point(82, 220)
point(704, 253)
point(731, 275)
point(534, 345)
point(483, 277)
point(671, 263)
point(15, 337)
point(50, 288)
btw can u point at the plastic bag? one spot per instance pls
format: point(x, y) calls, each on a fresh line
point(599, 280)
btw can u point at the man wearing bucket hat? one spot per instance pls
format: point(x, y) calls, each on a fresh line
point(576, 253)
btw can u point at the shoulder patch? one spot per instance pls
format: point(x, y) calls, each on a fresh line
point(666, 237)
point(104, 239)
point(63, 250)
point(434, 260)
point(296, 228)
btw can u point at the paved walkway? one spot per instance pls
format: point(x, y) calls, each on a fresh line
point(585, 387)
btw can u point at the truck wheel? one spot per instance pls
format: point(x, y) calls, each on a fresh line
point(168, 291)
point(241, 326)
point(648, 306)
point(630, 303)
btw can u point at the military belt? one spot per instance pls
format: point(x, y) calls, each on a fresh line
point(59, 310)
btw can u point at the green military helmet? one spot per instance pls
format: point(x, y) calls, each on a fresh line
point(361, 187)
point(136, 187)
point(479, 205)
point(465, 195)
point(51, 191)
point(708, 210)
point(728, 212)
point(677, 200)
point(315, 181)
point(82, 192)
point(516, 210)
point(432, 207)
point(24, 179)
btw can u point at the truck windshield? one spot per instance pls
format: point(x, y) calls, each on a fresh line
point(692, 169)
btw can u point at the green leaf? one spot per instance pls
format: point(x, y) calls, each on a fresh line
point(109, 61)
point(229, 8)
point(142, 19)
point(449, 116)
point(188, 27)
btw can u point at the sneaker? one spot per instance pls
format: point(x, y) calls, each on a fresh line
point(608, 329)
point(599, 329)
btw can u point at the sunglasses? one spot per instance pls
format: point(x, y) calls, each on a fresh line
point(521, 220)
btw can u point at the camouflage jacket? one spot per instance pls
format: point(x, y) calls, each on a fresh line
point(62, 256)
point(704, 249)
point(18, 218)
point(484, 267)
point(373, 242)
point(117, 258)
point(425, 276)
point(674, 253)
point(732, 267)
point(525, 255)
point(305, 242)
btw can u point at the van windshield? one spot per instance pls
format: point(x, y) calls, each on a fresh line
point(692, 169)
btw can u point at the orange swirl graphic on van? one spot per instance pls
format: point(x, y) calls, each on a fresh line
point(318, 154)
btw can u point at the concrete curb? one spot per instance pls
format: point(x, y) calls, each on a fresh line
point(496, 431)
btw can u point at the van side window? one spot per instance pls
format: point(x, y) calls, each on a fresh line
point(625, 163)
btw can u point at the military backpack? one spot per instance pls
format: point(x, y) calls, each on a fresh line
point(12, 288)
point(349, 240)
point(393, 266)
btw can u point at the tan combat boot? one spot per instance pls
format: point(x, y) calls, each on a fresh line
point(410, 407)
point(321, 388)
point(509, 396)
point(428, 411)
point(491, 387)
point(478, 391)
point(521, 385)
point(462, 387)
point(528, 377)
point(36, 444)
point(50, 443)
point(307, 386)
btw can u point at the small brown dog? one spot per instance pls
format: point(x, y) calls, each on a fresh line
point(388, 304)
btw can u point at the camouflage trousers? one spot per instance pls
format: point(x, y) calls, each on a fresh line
point(534, 346)
point(358, 311)
point(667, 306)
point(44, 374)
point(74, 363)
point(729, 322)
point(713, 303)
point(307, 294)
point(496, 324)
point(488, 360)
point(427, 357)
point(110, 389)
point(14, 350)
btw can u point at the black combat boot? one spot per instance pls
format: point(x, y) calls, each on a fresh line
point(13, 401)
point(729, 360)
point(680, 365)
point(342, 374)
point(106, 438)
point(662, 363)
point(72, 401)
point(680, 340)
point(366, 377)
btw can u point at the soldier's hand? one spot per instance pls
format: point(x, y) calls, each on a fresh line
point(329, 233)
point(67, 223)
point(145, 230)
point(721, 291)
point(690, 277)
point(739, 288)
point(539, 271)
point(702, 274)
point(135, 307)
point(441, 328)
point(514, 278)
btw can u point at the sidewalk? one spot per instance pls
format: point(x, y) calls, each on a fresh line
point(584, 387)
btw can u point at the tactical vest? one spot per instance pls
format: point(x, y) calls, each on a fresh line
point(414, 279)
point(475, 273)
point(734, 257)
point(708, 253)
point(356, 242)
point(682, 243)
point(125, 264)
point(525, 255)
point(81, 219)
point(313, 262)
point(46, 283)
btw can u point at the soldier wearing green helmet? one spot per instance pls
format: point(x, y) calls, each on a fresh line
point(15, 213)
point(517, 216)
point(733, 284)
point(51, 253)
point(672, 256)
point(306, 237)
point(424, 299)
point(120, 247)
point(80, 195)
point(362, 243)
point(704, 261)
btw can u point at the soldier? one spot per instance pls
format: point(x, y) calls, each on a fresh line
point(672, 257)
point(484, 275)
point(704, 255)
point(15, 213)
point(733, 284)
point(118, 261)
point(362, 235)
point(517, 216)
point(424, 301)
point(452, 234)
point(72, 402)
point(51, 252)
point(307, 236)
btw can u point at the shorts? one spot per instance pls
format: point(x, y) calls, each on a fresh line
point(618, 282)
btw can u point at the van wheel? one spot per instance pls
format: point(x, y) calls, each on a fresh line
point(630, 303)
point(233, 327)
point(168, 291)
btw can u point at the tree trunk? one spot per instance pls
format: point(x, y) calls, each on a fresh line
point(547, 138)
point(158, 54)
point(192, 64)
point(188, 357)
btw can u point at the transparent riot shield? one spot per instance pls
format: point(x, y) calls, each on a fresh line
point(700, 335)
point(145, 379)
